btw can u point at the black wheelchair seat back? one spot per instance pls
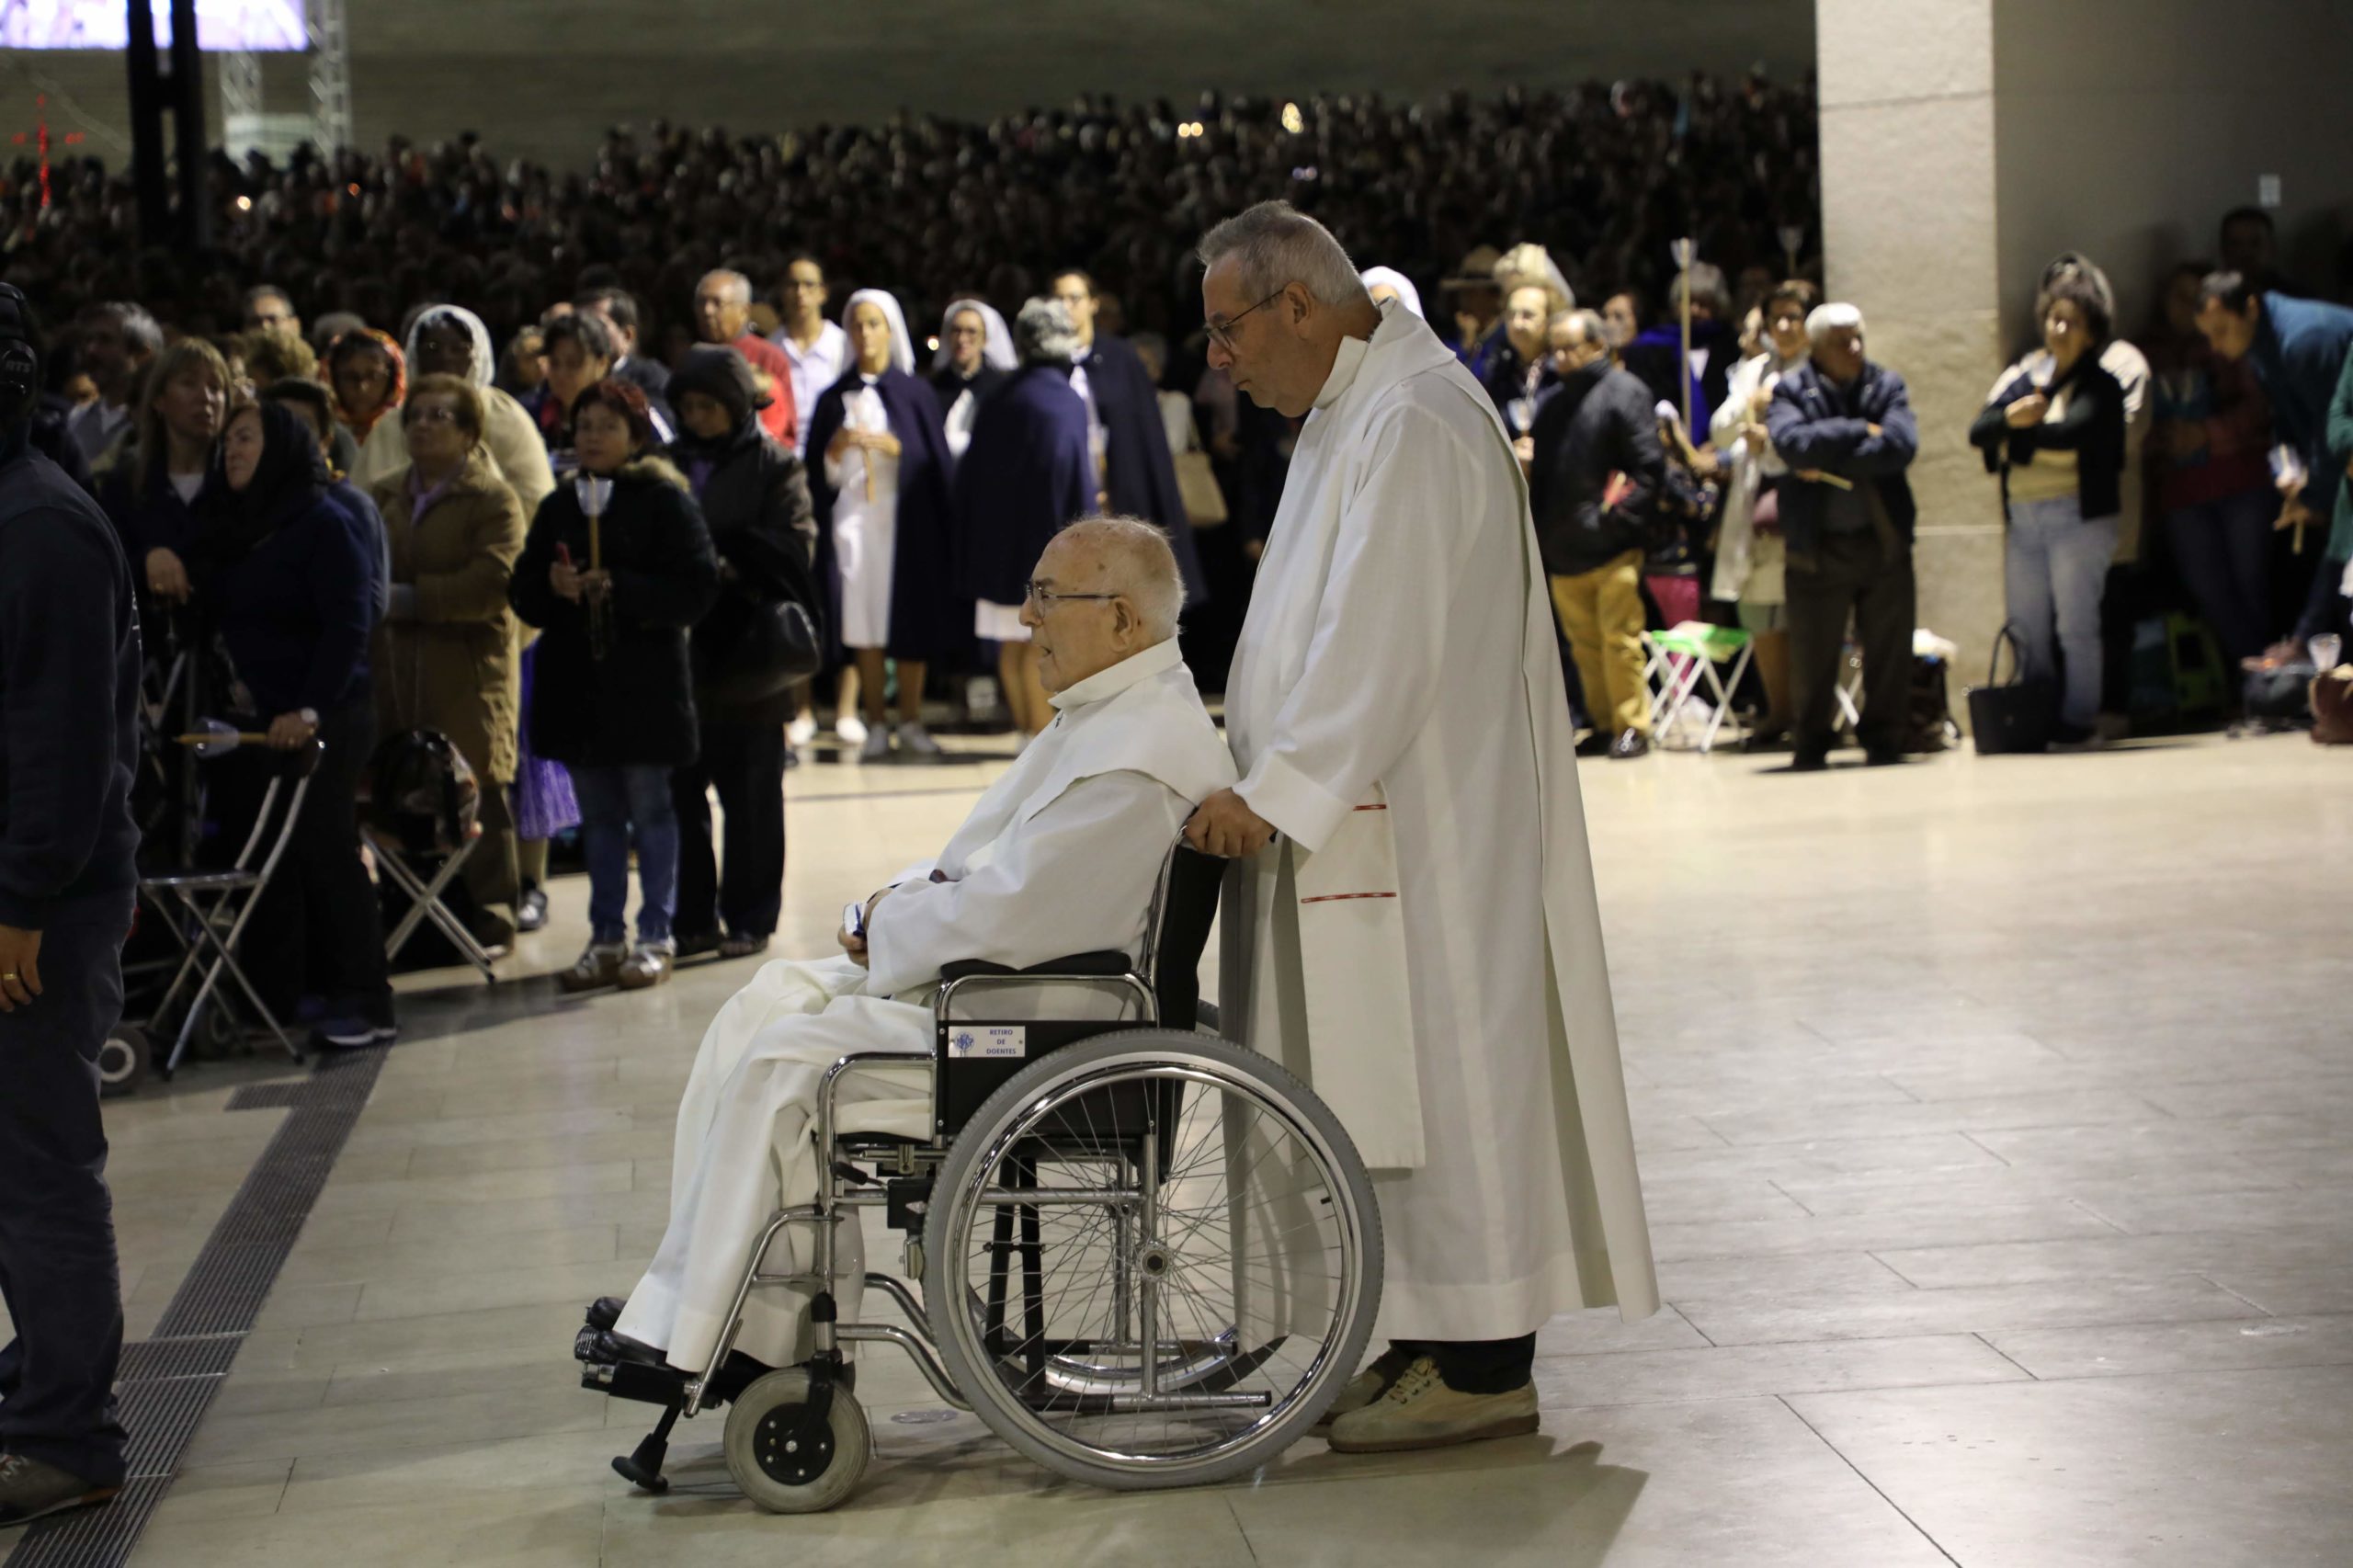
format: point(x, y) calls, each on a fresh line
point(976, 1054)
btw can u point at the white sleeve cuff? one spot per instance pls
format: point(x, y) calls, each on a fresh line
point(1292, 801)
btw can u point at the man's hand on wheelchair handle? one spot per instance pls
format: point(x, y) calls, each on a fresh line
point(1224, 826)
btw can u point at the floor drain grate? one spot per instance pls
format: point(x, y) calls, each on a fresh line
point(167, 1382)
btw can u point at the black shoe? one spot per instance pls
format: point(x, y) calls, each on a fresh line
point(606, 1311)
point(1595, 744)
point(1882, 757)
point(531, 911)
point(1633, 742)
point(1810, 760)
point(32, 1489)
point(697, 944)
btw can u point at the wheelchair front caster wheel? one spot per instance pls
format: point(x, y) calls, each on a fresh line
point(786, 1457)
point(122, 1061)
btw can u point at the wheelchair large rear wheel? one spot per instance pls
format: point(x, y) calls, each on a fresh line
point(1151, 1260)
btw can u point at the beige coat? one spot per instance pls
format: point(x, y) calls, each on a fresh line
point(508, 436)
point(452, 666)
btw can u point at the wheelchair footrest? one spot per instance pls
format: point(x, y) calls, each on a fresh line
point(627, 1380)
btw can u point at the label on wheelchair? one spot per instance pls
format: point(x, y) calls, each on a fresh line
point(999, 1041)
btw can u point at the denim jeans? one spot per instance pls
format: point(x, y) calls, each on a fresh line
point(2053, 570)
point(2222, 549)
point(613, 801)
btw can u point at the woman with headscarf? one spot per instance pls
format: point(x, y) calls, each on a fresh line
point(754, 497)
point(368, 377)
point(450, 340)
point(1031, 468)
point(975, 356)
point(287, 581)
point(613, 695)
point(444, 658)
point(880, 479)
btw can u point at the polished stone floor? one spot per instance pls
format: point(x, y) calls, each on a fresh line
point(1996, 1124)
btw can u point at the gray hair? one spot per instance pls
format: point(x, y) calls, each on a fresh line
point(1707, 288)
point(738, 286)
point(139, 329)
point(1139, 562)
point(1280, 245)
point(1824, 320)
point(1044, 332)
point(1590, 327)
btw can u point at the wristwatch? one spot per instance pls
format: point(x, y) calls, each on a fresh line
point(309, 716)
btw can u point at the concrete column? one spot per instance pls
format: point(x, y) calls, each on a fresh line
point(1910, 225)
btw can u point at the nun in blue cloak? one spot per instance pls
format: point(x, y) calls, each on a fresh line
point(879, 472)
point(1027, 471)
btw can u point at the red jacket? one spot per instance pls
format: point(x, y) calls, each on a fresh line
point(780, 418)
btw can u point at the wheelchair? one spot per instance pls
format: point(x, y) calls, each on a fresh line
point(1148, 1258)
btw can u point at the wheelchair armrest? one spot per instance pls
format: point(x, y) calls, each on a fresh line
point(1105, 965)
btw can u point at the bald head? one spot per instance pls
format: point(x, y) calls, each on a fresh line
point(1109, 589)
point(722, 305)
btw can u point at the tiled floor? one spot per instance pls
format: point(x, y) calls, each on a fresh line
point(1998, 1130)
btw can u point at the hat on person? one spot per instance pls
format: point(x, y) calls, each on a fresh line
point(1476, 269)
point(724, 376)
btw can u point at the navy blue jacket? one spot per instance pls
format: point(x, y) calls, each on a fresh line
point(2301, 346)
point(157, 520)
point(635, 706)
point(296, 611)
point(1143, 474)
point(1817, 426)
point(928, 620)
point(69, 699)
point(363, 514)
point(1026, 473)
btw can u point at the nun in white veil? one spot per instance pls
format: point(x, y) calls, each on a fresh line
point(975, 356)
point(1388, 283)
point(879, 466)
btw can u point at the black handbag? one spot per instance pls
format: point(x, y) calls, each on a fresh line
point(747, 650)
point(2018, 716)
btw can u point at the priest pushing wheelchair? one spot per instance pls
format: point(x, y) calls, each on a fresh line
point(1143, 1255)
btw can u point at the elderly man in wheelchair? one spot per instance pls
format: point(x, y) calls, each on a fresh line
point(1146, 1256)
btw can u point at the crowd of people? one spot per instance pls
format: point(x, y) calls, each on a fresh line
point(429, 444)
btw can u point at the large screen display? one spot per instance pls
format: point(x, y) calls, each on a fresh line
point(106, 24)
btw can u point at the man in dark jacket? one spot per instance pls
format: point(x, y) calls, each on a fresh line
point(1595, 469)
point(1845, 428)
point(69, 694)
point(2299, 349)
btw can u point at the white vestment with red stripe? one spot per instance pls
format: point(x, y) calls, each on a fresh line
point(1423, 943)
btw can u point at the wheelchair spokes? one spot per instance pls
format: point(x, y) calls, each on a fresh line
point(1159, 1268)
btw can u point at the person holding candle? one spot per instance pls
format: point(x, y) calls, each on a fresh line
point(616, 571)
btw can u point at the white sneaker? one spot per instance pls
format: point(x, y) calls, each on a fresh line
point(1420, 1412)
point(801, 732)
point(916, 741)
point(877, 748)
point(850, 730)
